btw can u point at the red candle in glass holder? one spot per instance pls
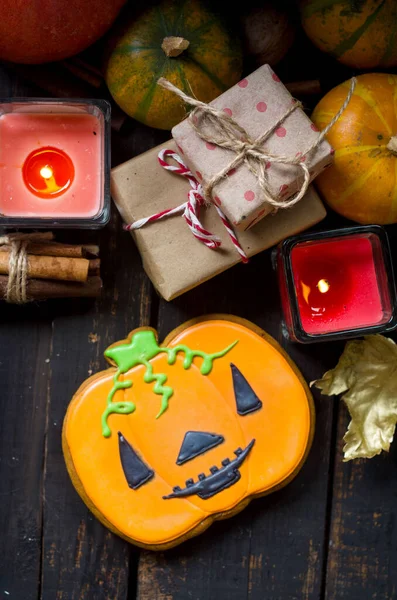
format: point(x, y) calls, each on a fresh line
point(336, 284)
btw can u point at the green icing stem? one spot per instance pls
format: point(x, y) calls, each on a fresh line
point(208, 359)
point(121, 408)
point(165, 391)
point(139, 351)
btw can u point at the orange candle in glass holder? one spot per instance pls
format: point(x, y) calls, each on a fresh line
point(54, 163)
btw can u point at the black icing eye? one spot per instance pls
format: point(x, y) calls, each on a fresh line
point(246, 399)
point(135, 470)
point(196, 443)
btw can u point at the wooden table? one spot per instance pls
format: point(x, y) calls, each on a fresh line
point(331, 533)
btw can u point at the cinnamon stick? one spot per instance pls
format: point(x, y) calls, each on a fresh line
point(58, 249)
point(94, 267)
point(50, 267)
point(40, 289)
point(56, 79)
point(91, 250)
point(83, 71)
point(45, 236)
point(54, 249)
point(304, 88)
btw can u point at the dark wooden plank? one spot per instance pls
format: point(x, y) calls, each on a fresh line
point(362, 553)
point(25, 339)
point(275, 548)
point(81, 559)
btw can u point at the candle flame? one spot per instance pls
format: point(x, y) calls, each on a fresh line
point(323, 286)
point(46, 172)
point(305, 292)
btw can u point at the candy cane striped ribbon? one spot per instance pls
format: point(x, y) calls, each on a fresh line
point(190, 209)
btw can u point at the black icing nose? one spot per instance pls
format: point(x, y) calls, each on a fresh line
point(196, 443)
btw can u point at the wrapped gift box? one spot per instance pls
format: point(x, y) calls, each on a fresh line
point(256, 103)
point(141, 187)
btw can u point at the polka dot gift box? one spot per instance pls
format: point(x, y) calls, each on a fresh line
point(172, 257)
point(259, 104)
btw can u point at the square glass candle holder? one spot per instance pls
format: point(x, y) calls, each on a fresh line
point(336, 284)
point(54, 163)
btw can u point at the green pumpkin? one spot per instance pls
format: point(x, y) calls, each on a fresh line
point(204, 62)
point(358, 33)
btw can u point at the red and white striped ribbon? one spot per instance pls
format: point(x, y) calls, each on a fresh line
point(190, 209)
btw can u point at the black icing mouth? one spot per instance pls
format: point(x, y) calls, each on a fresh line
point(220, 479)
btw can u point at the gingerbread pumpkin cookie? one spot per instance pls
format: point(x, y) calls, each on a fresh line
point(176, 435)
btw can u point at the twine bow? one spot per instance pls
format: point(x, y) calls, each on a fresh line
point(216, 127)
point(16, 292)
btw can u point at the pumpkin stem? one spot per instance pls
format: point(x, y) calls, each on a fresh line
point(174, 46)
point(392, 145)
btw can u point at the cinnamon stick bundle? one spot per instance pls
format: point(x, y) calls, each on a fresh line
point(50, 267)
point(35, 267)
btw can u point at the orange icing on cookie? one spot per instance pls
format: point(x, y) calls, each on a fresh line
point(273, 432)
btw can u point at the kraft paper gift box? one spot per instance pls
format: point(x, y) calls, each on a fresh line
point(255, 103)
point(173, 259)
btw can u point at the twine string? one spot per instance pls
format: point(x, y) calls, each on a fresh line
point(216, 127)
point(18, 265)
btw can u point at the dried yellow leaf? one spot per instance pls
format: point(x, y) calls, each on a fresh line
point(366, 375)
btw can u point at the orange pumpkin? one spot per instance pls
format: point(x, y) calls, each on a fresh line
point(228, 418)
point(362, 182)
point(181, 41)
point(359, 33)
